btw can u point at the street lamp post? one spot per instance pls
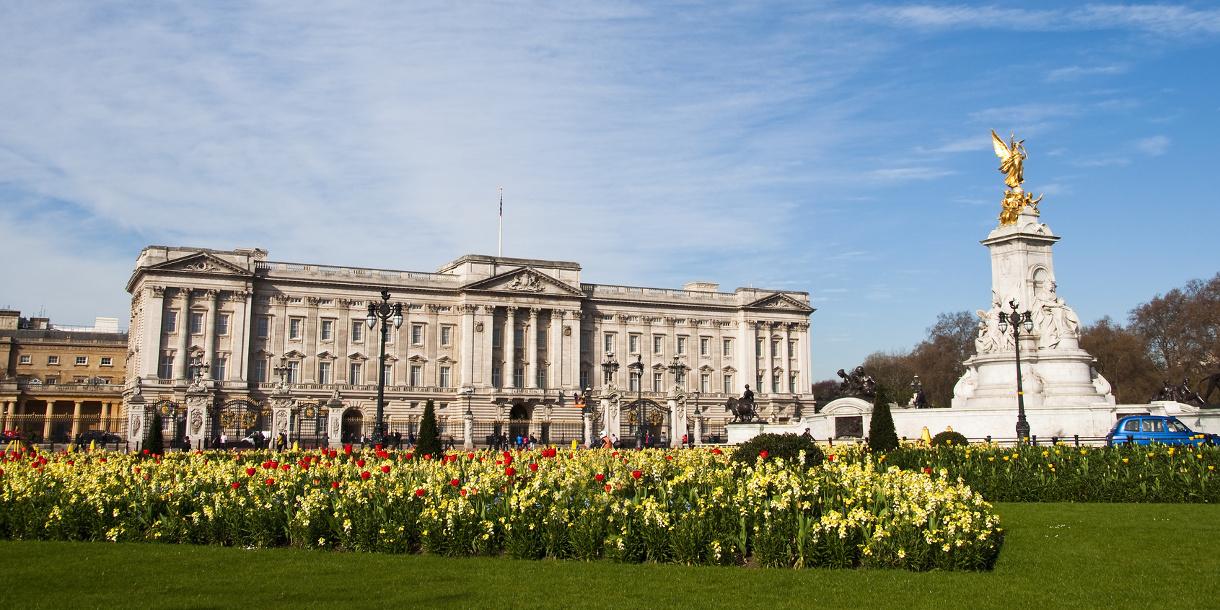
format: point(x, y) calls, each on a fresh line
point(641, 412)
point(609, 370)
point(1018, 319)
point(386, 314)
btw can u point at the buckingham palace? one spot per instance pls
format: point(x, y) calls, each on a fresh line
point(503, 342)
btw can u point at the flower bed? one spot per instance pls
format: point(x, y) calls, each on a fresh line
point(687, 506)
point(1063, 473)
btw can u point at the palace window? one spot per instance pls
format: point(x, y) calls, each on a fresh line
point(541, 334)
point(792, 382)
point(540, 378)
point(497, 336)
point(196, 322)
point(417, 334)
point(445, 381)
point(792, 348)
point(262, 327)
point(658, 382)
point(519, 337)
point(608, 343)
point(705, 346)
point(294, 371)
point(51, 380)
point(775, 383)
point(355, 373)
point(326, 331)
point(584, 378)
point(681, 379)
point(220, 368)
point(324, 372)
point(519, 377)
point(82, 361)
point(758, 382)
point(417, 375)
point(633, 344)
point(166, 370)
point(24, 359)
point(357, 331)
point(705, 383)
point(222, 324)
point(52, 359)
point(633, 382)
point(106, 361)
point(446, 338)
point(775, 348)
point(728, 383)
point(681, 345)
point(658, 344)
point(495, 377)
point(260, 370)
point(296, 328)
point(758, 347)
point(726, 347)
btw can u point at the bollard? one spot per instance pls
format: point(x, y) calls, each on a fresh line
point(1034, 439)
point(988, 437)
point(831, 440)
point(1054, 440)
point(1130, 439)
point(1076, 438)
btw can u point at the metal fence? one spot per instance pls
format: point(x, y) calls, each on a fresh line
point(39, 428)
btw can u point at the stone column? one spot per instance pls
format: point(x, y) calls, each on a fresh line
point(136, 422)
point(150, 350)
point(46, 422)
point(531, 349)
point(209, 329)
point(699, 429)
point(334, 424)
point(239, 336)
point(313, 329)
point(788, 360)
point(804, 381)
point(184, 335)
point(467, 354)
point(510, 348)
point(468, 431)
point(554, 351)
point(486, 317)
point(768, 356)
point(587, 419)
point(281, 415)
point(609, 418)
point(76, 408)
point(104, 417)
point(6, 414)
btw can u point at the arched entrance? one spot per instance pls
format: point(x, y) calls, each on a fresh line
point(519, 421)
point(353, 425)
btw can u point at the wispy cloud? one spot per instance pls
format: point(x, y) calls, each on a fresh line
point(1070, 73)
point(1153, 146)
point(1157, 18)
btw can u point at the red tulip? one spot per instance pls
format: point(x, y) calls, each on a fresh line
point(360, 463)
point(455, 482)
point(509, 471)
point(347, 449)
point(763, 454)
point(270, 482)
point(365, 475)
point(385, 469)
point(927, 470)
point(235, 485)
point(608, 489)
point(463, 492)
point(635, 474)
point(421, 492)
point(830, 458)
point(334, 485)
point(250, 472)
point(599, 477)
point(533, 467)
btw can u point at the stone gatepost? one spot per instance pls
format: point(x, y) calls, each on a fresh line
point(281, 416)
point(137, 422)
point(468, 430)
point(699, 429)
point(334, 421)
point(677, 415)
point(197, 417)
point(587, 419)
point(610, 411)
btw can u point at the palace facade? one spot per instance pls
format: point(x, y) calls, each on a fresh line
point(503, 338)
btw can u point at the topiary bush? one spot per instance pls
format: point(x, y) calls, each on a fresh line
point(949, 438)
point(787, 446)
point(155, 443)
point(881, 433)
point(429, 440)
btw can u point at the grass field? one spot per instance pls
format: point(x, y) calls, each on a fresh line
point(1061, 555)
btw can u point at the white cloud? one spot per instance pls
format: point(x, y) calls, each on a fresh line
point(1153, 146)
point(1069, 73)
point(1157, 19)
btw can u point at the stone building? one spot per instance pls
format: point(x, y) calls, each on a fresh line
point(509, 340)
point(59, 381)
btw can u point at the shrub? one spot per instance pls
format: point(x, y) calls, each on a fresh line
point(881, 434)
point(787, 446)
point(429, 436)
point(950, 438)
point(154, 443)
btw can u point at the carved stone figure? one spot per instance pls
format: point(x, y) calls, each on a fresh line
point(742, 410)
point(1054, 320)
point(1012, 164)
point(196, 423)
point(526, 282)
point(964, 388)
point(1165, 393)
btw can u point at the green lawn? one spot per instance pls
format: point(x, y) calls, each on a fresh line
point(1064, 555)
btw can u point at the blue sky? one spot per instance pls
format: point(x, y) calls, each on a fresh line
point(835, 147)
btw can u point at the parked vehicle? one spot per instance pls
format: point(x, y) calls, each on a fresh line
point(1148, 429)
point(99, 437)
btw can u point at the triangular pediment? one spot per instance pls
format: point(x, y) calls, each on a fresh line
point(357, 356)
point(524, 280)
point(780, 302)
point(200, 262)
point(294, 354)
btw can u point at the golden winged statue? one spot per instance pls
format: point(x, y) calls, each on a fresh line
point(1012, 164)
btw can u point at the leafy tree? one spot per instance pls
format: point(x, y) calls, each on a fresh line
point(881, 433)
point(825, 391)
point(1181, 329)
point(1123, 358)
point(429, 440)
point(154, 442)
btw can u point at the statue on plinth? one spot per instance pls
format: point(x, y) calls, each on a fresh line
point(1012, 164)
point(858, 383)
point(743, 409)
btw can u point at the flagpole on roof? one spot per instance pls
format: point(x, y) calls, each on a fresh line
point(500, 238)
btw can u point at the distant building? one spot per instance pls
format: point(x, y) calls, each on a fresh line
point(57, 382)
point(511, 339)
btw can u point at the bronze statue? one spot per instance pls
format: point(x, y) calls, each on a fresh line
point(858, 383)
point(1012, 164)
point(742, 408)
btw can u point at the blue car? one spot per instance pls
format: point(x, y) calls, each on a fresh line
point(1148, 429)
